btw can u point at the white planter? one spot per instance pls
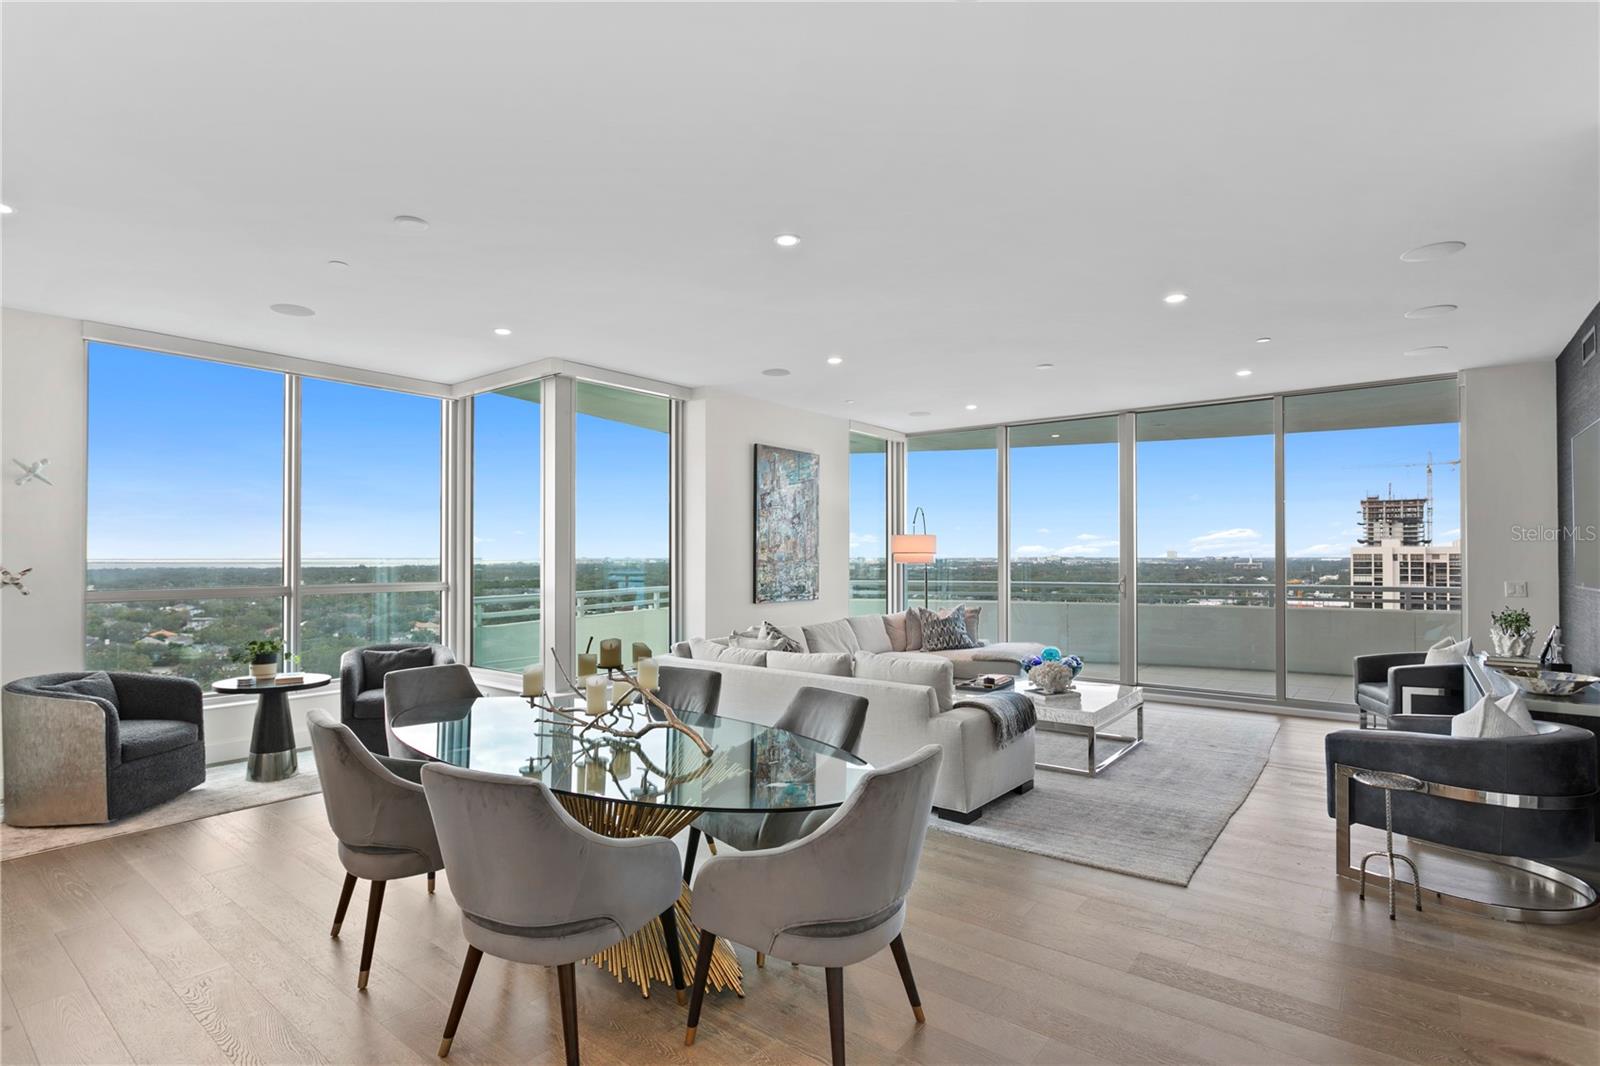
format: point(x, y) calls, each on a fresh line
point(264, 671)
point(1506, 644)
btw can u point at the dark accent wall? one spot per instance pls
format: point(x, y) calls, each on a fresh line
point(1577, 406)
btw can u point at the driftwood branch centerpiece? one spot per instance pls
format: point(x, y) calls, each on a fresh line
point(606, 721)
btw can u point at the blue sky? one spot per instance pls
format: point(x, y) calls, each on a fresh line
point(1196, 497)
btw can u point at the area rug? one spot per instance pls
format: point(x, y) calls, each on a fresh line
point(1154, 814)
point(225, 790)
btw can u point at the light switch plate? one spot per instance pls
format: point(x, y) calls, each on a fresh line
point(1516, 590)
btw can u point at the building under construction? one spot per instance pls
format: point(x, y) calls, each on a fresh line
point(1407, 520)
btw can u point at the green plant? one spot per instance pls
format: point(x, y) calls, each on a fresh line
point(258, 651)
point(1512, 621)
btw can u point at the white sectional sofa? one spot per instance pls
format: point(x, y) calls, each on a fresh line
point(910, 698)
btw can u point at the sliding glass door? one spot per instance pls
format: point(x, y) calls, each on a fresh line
point(506, 462)
point(1065, 542)
point(1207, 555)
point(955, 479)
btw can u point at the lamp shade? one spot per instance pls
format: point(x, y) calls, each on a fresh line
point(913, 547)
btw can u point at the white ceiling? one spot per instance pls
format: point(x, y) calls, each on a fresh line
point(980, 188)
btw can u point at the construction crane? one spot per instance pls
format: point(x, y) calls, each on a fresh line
point(1428, 521)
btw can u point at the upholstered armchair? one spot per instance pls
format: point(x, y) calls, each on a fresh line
point(361, 673)
point(95, 747)
point(833, 898)
point(1510, 800)
point(537, 887)
point(379, 814)
point(1402, 683)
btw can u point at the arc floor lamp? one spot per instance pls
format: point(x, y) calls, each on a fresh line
point(910, 549)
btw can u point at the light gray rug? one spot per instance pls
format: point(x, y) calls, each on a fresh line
point(1154, 814)
point(225, 790)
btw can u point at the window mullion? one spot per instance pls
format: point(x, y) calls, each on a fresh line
point(292, 392)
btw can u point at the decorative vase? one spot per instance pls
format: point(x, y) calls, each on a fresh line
point(1511, 644)
point(1051, 678)
point(264, 669)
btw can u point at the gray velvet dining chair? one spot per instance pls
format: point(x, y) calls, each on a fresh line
point(537, 887)
point(690, 691)
point(830, 899)
point(834, 718)
point(379, 814)
point(405, 690)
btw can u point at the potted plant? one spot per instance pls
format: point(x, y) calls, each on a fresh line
point(1512, 631)
point(262, 655)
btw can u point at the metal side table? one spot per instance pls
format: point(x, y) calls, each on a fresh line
point(1390, 783)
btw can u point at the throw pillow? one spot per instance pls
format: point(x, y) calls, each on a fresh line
point(1488, 719)
point(1449, 650)
point(1516, 708)
point(96, 685)
point(716, 651)
point(832, 636)
point(947, 632)
point(871, 633)
point(786, 641)
point(895, 626)
point(375, 665)
point(930, 671)
point(833, 663)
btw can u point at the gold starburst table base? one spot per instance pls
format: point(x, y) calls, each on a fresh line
point(642, 957)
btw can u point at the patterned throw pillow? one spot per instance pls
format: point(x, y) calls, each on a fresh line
point(764, 637)
point(945, 632)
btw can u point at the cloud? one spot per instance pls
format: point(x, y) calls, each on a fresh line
point(1226, 536)
point(1449, 534)
point(863, 540)
point(1319, 549)
point(1043, 530)
point(1086, 544)
point(1032, 549)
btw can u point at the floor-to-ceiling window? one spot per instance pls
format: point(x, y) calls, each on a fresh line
point(954, 478)
point(623, 518)
point(1207, 521)
point(185, 512)
point(1065, 539)
point(506, 464)
point(1372, 520)
point(369, 516)
point(869, 524)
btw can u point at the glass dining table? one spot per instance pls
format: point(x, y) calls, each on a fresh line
point(628, 774)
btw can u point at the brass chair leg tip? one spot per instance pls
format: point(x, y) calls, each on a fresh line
point(444, 1047)
point(922, 1019)
point(361, 979)
point(334, 932)
point(688, 1037)
point(761, 961)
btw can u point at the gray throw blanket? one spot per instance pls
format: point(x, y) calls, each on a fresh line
point(1011, 711)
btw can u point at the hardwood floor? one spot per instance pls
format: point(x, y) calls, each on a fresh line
point(208, 942)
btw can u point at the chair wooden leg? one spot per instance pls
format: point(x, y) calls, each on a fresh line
point(568, 979)
point(761, 960)
point(669, 932)
point(688, 854)
point(430, 882)
point(469, 970)
point(835, 976)
point(697, 991)
point(344, 903)
point(898, 946)
point(374, 906)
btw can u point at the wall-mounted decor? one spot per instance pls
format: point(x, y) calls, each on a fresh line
point(33, 471)
point(788, 528)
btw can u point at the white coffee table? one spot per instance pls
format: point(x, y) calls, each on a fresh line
point(1086, 712)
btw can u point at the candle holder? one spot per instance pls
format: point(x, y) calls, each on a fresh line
point(632, 692)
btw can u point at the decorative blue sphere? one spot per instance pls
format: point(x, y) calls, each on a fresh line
point(1051, 654)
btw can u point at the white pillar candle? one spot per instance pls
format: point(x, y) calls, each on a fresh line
point(596, 692)
point(587, 664)
point(533, 680)
point(649, 675)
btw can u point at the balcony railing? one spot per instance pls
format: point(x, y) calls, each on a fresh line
point(505, 624)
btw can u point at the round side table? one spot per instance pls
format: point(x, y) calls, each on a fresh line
point(272, 752)
point(1390, 783)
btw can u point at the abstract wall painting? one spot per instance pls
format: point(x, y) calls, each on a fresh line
point(787, 525)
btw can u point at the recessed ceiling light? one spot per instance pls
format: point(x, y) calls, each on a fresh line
point(338, 264)
point(1045, 366)
point(1432, 251)
point(1263, 340)
point(293, 310)
point(1055, 436)
point(786, 240)
point(1243, 373)
point(972, 407)
point(501, 331)
point(1431, 311)
point(775, 372)
point(835, 360)
point(919, 414)
point(849, 403)
point(411, 222)
point(5, 209)
point(1175, 297)
point(1431, 349)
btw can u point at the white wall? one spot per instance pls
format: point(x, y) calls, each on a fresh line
point(720, 435)
point(1508, 475)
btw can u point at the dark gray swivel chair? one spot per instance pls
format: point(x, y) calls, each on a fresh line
point(378, 812)
point(361, 674)
point(94, 747)
point(1402, 683)
point(1510, 800)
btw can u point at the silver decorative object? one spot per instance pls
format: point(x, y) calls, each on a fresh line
point(33, 471)
point(8, 578)
point(1549, 682)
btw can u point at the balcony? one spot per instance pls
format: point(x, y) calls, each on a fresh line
point(505, 626)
